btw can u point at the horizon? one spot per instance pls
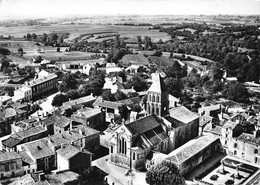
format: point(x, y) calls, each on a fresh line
point(24, 9)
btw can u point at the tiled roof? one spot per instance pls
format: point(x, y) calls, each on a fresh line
point(26, 158)
point(42, 80)
point(126, 91)
point(11, 142)
point(205, 120)
point(155, 136)
point(144, 124)
point(183, 114)
point(81, 100)
point(107, 104)
point(86, 131)
point(230, 124)
point(10, 112)
point(58, 121)
point(9, 156)
point(65, 138)
point(17, 137)
point(190, 149)
point(38, 149)
point(212, 107)
point(69, 151)
point(249, 138)
point(130, 102)
point(88, 112)
point(214, 129)
point(158, 84)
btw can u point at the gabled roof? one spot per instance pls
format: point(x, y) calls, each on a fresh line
point(26, 158)
point(143, 125)
point(69, 151)
point(230, 124)
point(6, 156)
point(78, 101)
point(38, 148)
point(17, 137)
point(130, 102)
point(65, 137)
point(58, 121)
point(190, 149)
point(107, 104)
point(205, 120)
point(158, 84)
point(214, 129)
point(87, 112)
point(86, 131)
point(183, 114)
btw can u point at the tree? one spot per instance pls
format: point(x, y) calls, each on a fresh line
point(68, 82)
point(5, 63)
point(175, 70)
point(7, 70)
point(4, 51)
point(34, 108)
point(236, 92)
point(217, 73)
point(54, 37)
point(44, 38)
point(38, 59)
point(138, 83)
point(59, 99)
point(73, 94)
point(174, 86)
point(28, 36)
point(34, 36)
point(165, 173)
point(137, 108)
point(123, 111)
point(107, 95)
point(58, 49)
point(20, 51)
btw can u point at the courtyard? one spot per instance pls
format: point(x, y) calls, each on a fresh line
point(230, 172)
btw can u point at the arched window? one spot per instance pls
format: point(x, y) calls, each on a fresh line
point(153, 98)
point(158, 99)
point(133, 155)
point(123, 146)
point(111, 149)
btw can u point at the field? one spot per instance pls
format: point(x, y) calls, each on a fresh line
point(76, 30)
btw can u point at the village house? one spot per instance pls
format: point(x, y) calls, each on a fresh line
point(111, 108)
point(229, 131)
point(8, 116)
point(28, 165)
point(30, 134)
point(41, 154)
point(10, 165)
point(246, 147)
point(131, 102)
point(79, 103)
point(70, 157)
point(23, 94)
point(43, 84)
point(212, 110)
point(91, 117)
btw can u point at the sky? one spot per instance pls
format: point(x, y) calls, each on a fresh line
point(59, 8)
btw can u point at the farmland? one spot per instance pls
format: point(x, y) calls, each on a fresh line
point(76, 30)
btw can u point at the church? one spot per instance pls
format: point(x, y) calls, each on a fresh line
point(161, 130)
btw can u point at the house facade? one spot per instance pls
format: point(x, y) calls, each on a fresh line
point(43, 84)
point(10, 165)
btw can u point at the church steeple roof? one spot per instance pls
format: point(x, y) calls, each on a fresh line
point(158, 84)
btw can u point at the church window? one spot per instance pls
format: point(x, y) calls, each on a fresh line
point(111, 149)
point(133, 156)
point(157, 99)
point(122, 146)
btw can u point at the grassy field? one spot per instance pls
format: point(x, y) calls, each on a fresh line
point(77, 30)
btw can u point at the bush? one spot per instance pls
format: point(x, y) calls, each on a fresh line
point(229, 182)
point(214, 177)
